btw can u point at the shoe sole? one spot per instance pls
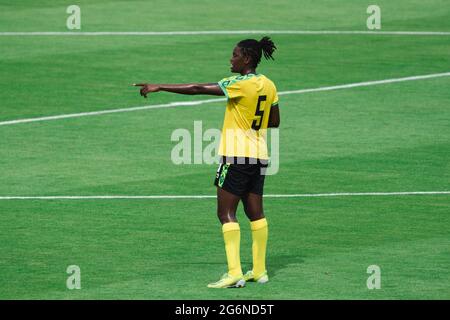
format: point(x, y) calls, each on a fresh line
point(263, 280)
point(260, 280)
point(239, 284)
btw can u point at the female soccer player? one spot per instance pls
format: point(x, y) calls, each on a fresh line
point(252, 107)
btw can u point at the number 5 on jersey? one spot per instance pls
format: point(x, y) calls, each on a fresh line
point(256, 124)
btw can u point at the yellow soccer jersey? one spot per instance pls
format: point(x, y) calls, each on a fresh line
point(244, 131)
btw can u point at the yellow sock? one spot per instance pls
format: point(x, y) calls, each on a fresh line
point(232, 237)
point(260, 234)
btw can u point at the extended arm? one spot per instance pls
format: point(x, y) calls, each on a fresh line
point(274, 117)
point(190, 88)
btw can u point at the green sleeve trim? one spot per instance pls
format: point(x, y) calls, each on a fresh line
point(231, 80)
point(274, 104)
point(220, 83)
point(224, 83)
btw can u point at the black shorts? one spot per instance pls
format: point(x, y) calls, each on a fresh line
point(241, 177)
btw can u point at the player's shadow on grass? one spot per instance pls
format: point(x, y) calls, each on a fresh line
point(279, 262)
point(274, 263)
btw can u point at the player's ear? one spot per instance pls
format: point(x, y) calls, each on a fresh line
point(247, 60)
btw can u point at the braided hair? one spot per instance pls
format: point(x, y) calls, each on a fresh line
point(254, 49)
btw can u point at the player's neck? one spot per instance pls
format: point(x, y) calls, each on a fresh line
point(247, 71)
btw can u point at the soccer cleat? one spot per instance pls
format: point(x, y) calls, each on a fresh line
point(228, 281)
point(250, 277)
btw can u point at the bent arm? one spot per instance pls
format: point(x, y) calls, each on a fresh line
point(274, 117)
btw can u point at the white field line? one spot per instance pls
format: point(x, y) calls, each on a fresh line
point(312, 195)
point(227, 32)
point(95, 113)
point(200, 102)
point(367, 83)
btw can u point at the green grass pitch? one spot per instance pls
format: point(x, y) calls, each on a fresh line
point(384, 138)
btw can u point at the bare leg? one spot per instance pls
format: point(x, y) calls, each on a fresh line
point(226, 206)
point(253, 206)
